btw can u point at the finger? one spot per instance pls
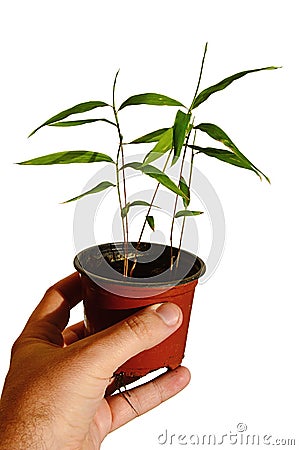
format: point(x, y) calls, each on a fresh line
point(52, 314)
point(64, 294)
point(147, 396)
point(74, 333)
point(70, 289)
point(110, 348)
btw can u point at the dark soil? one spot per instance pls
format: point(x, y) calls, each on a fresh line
point(153, 260)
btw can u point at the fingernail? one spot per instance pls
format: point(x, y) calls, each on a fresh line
point(169, 313)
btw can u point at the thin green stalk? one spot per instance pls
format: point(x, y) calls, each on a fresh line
point(152, 200)
point(119, 197)
point(182, 166)
point(184, 218)
point(176, 200)
point(120, 153)
point(148, 211)
point(200, 75)
point(181, 172)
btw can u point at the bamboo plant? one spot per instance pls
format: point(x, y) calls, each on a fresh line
point(177, 144)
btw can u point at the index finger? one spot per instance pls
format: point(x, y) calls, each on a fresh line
point(53, 311)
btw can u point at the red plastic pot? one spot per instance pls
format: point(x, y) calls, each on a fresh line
point(109, 297)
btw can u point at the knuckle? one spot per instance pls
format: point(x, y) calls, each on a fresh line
point(49, 291)
point(158, 391)
point(138, 327)
point(135, 403)
point(16, 345)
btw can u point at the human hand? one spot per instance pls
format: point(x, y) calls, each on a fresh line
point(54, 394)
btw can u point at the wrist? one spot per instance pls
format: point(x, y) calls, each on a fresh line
point(22, 430)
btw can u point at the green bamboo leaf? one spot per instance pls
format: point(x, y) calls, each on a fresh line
point(162, 178)
point(133, 165)
point(69, 157)
point(80, 108)
point(204, 95)
point(142, 203)
point(222, 155)
point(187, 213)
point(185, 188)
point(150, 99)
point(73, 123)
point(129, 205)
point(154, 136)
point(151, 222)
point(180, 129)
point(99, 188)
point(124, 211)
point(163, 145)
point(218, 134)
point(158, 175)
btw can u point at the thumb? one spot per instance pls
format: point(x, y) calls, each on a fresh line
point(110, 348)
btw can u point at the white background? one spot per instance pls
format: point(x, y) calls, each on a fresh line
point(243, 341)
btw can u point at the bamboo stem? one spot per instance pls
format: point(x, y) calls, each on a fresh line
point(182, 165)
point(148, 211)
point(120, 153)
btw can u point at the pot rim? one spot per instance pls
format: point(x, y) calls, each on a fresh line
point(127, 281)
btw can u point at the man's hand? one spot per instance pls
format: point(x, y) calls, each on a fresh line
point(54, 394)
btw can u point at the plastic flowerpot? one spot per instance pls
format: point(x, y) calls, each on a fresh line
point(109, 297)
